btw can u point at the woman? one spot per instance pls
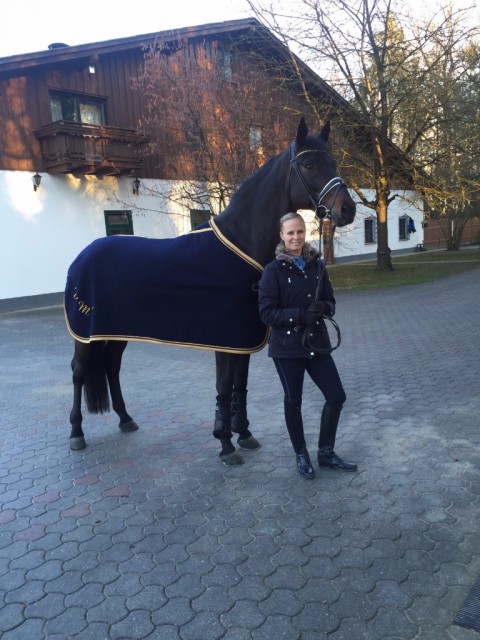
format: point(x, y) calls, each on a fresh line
point(288, 304)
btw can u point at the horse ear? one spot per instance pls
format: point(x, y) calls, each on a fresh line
point(302, 131)
point(325, 132)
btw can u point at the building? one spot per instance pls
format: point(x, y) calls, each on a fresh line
point(76, 165)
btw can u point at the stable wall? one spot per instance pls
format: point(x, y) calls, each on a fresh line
point(350, 241)
point(43, 231)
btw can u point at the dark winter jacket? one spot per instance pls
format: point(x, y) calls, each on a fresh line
point(285, 294)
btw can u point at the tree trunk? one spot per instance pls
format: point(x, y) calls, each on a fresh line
point(384, 260)
point(328, 250)
point(452, 229)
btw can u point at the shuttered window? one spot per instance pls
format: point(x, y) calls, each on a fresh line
point(118, 223)
point(370, 230)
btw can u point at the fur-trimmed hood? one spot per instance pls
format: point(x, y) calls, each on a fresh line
point(308, 252)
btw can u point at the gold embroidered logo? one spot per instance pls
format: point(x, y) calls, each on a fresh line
point(82, 306)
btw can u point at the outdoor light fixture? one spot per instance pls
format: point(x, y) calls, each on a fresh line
point(136, 186)
point(92, 63)
point(37, 178)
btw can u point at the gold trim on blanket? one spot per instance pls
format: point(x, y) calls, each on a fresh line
point(233, 248)
point(164, 342)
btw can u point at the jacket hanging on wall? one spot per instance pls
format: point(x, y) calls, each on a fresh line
point(411, 225)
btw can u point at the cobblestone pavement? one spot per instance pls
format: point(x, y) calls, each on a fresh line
point(148, 536)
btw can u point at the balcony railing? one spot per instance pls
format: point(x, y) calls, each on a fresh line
point(75, 147)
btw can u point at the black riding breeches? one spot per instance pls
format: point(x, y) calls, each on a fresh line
point(321, 369)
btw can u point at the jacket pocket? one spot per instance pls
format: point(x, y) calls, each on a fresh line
point(288, 337)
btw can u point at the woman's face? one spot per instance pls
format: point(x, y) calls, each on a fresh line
point(293, 235)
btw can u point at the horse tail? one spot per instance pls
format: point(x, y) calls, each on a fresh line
point(96, 384)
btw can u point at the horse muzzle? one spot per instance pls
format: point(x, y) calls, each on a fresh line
point(342, 208)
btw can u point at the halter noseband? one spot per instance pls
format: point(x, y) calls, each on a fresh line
point(321, 210)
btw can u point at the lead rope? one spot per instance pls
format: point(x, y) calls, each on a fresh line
point(321, 276)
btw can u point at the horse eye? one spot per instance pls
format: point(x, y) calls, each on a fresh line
point(308, 165)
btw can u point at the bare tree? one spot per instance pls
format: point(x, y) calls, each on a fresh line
point(212, 117)
point(379, 59)
point(449, 152)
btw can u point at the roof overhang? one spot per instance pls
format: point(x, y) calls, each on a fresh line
point(67, 54)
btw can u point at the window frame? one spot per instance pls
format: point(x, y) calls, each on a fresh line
point(113, 228)
point(199, 216)
point(78, 100)
point(255, 138)
point(403, 222)
point(374, 230)
point(225, 62)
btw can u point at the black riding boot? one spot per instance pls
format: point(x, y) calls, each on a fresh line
point(240, 421)
point(294, 421)
point(222, 430)
point(328, 430)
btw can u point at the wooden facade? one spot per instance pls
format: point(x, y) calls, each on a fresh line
point(29, 138)
point(434, 238)
point(106, 74)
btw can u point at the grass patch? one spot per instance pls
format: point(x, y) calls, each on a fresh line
point(463, 255)
point(410, 269)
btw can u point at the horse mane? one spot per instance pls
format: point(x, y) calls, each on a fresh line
point(249, 185)
point(250, 220)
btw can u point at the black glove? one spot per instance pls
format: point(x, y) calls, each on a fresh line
point(314, 312)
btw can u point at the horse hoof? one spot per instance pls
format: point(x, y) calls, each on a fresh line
point(76, 444)
point(233, 459)
point(249, 444)
point(127, 427)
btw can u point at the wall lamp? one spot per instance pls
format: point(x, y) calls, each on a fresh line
point(92, 63)
point(37, 178)
point(136, 186)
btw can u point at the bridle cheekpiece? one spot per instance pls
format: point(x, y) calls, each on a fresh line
point(335, 184)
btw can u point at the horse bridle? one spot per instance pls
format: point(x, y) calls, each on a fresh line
point(335, 184)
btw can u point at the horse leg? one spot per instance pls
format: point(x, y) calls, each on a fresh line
point(240, 421)
point(222, 429)
point(79, 374)
point(113, 361)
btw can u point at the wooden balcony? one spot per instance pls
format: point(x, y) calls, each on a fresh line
point(74, 147)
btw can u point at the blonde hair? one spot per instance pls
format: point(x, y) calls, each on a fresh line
point(292, 215)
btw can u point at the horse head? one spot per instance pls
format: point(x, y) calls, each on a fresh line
point(313, 179)
point(302, 176)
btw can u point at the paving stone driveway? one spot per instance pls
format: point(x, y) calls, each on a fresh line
point(148, 536)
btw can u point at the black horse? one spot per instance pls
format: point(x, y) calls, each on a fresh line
point(300, 177)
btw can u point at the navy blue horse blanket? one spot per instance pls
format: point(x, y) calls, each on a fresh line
point(196, 290)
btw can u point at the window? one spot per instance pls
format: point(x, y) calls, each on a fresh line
point(199, 216)
point(224, 57)
point(403, 231)
point(193, 138)
point(118, 223)
point(255, 139)
point(77, 108)
point(194, 135)
point(370, 230)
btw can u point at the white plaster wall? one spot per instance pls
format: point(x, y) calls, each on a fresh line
point(350, 240)
point(43, 231)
